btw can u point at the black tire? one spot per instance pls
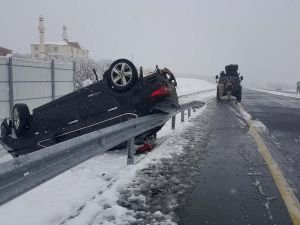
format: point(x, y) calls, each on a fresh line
point(122, 75)
point(4, 129)
point(21, 119)
point(218, 95)
point(239, 96)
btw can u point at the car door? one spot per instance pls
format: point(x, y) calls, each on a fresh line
point(95, 104)
point(56, 116)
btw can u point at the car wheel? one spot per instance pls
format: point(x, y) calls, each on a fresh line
point(122, 75)
point(239, 96)
point(4, 130)
point(21, 118)
point(218, 95)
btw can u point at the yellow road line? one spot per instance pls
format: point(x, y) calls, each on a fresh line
point(284, 188)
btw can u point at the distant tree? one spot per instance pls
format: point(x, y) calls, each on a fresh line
point(21, 56)
point(84, 70)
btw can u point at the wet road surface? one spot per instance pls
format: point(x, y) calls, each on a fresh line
point(221, 178)
point(281, 116)
point(235, 186)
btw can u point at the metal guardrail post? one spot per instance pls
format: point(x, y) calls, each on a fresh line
point(130, 151)
point(11, 86)
point(74, 74)
point(173, 122)
point(189, 112)
point(182, 116)
point(53, 79)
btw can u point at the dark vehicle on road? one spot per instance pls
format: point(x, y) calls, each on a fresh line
point(229, 83)
point(121, 95)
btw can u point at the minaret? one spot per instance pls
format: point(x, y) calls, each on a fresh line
point(65, 34)
point(41, 29)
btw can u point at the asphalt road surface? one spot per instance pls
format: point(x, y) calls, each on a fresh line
point(222, 178)
point(235, 185)
point(281, 116)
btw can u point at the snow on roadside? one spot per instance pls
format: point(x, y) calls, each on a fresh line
point(277, 93)
point(58, 198)
point(260, 126)
point(4, 156)
point(189, 86)
point(256, 123)
point(104, 208)
point(89, 192)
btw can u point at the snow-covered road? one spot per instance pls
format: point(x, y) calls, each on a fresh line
point(89, 193)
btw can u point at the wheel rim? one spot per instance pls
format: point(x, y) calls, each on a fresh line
point(16, 119)
point(121, 74)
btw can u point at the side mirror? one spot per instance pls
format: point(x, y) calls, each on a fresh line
point(217, 77)
point(241, 77)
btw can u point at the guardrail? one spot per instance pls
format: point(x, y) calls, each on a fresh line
point(20, 175)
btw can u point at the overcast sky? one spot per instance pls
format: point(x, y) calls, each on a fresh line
point(188, 36)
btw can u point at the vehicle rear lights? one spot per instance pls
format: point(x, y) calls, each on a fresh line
point(162, 91)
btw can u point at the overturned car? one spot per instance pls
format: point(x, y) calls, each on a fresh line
point(122, 94)
point(229, 83)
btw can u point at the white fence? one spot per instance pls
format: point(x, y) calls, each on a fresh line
point(32, 82)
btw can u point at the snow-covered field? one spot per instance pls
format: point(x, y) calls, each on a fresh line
point(190, 85)
point(89, 193)
point(193, 89)
point(286, 94)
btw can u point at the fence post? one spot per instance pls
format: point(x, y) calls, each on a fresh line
point(74, 74)
point(53, 79)
point(182, 116)
point(189, 112)
point(11, 86)
point(130, 151)
point(173, 122)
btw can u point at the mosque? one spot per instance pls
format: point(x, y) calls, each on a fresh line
point(63, 49)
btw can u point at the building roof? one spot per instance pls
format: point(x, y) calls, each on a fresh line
point(61, 43)
point(5, 49)
point(53, 43)
point(74, 44)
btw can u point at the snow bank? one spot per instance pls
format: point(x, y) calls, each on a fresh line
point(4, 156)
point(256, 123)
